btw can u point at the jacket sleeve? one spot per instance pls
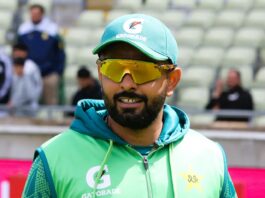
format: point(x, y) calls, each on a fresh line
point(37, 184)
point(228, 189)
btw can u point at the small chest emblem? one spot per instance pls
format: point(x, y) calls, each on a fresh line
point(193, 180)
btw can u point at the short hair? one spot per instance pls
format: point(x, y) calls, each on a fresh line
point(83, 72)
point(20, 46)
point(39, 6)
point(19, 61)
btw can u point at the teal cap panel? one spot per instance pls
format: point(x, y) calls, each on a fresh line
point(144, 32)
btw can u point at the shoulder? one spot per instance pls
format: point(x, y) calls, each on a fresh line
point(46, 25)
point(25, 28)
point(201, 145)
point(49, 27)
point(68, 139)
point(30, 67)
point(246, 92)
point(197, 138)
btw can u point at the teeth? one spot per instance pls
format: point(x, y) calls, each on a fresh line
point(128, 100)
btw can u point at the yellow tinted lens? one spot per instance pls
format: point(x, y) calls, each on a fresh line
point(140, 71)
point(143, 72)
point(112, 69)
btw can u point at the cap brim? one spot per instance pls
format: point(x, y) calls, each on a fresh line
point(140, 46)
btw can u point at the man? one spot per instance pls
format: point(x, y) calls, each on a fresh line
point(231, 97)
point(89, 87)
point(25, 90)
point(45, 47)
point(132, 145)
point(29, 68)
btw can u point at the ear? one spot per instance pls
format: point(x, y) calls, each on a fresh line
point(173, 80)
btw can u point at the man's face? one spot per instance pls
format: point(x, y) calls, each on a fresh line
point(18, 53)
point(132, 105)
point(233, 79)
point(36, 15)
point(84, 82)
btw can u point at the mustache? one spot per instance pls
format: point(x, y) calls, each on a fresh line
point(129, 95)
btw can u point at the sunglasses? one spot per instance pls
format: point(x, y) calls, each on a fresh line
point(141, 71)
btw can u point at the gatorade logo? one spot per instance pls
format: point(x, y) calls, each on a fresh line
point(104, 180)
point(133, 26)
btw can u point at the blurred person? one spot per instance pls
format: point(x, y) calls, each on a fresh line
point(89, 87)
point(131, 144)
point(25, 91)
point(46, 49)
point(5, 77)
point(230, 96)
point(20, 50)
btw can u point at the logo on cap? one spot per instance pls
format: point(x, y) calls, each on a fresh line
point(133, 26)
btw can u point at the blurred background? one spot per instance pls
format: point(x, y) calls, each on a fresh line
point(213, 36)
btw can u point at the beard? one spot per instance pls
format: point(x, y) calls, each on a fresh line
point(129, 117)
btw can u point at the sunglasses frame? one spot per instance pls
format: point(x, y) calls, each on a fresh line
point(160, 67)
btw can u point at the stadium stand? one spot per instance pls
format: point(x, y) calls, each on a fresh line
point(242, 5)
point(208, 56)
point(195, 76)
point(157, 5)
point(230, 18)
point(259, 4)
point(112, 14)
point(172, 18)
point(192, 97)
point(6, 18)
point(259, 98)
point(214, 5)
point(183, 4)
point(77, 37)
point(219, 37)
point(91, 19)
point(185, 55)
point(189, 36)
point(255, 19)
point(201, 18)
point(238, 56)
point(249, 37)
point(259, 80)
point(10, 6)
point(132, 5)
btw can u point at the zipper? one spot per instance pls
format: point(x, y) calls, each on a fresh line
point(147, 177)
point(146, 167)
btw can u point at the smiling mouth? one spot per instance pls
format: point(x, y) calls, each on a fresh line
point(129, 100)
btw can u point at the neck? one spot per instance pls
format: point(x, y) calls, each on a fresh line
point(138, 137)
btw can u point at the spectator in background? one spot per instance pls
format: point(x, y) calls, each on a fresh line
point(231, 96)
point(5, 77)
point(89, 87)
point(30, 68)
point(25, 92)
point(45, 47)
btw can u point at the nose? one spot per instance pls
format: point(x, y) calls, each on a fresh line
point(127, 82)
